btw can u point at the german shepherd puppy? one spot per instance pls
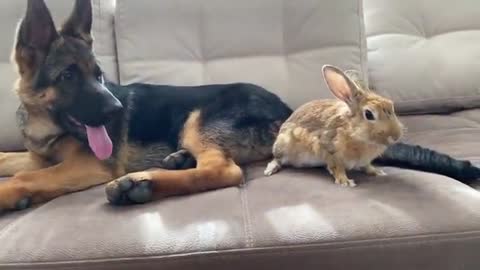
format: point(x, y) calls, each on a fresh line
point(81, 131)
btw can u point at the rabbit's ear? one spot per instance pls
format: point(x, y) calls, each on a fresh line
point(340, 84)
point(357, 78)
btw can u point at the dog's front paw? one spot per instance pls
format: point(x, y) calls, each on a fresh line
point(13, 196)
point(130, 189)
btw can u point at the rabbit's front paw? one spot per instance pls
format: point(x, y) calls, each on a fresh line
point(371, 170)
point(345, 182)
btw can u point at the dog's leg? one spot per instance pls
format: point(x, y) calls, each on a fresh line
point(214, 170)
point(45, 184)
point(79, 170)
point(12, 163)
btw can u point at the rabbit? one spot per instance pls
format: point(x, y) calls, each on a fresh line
point(342, 134)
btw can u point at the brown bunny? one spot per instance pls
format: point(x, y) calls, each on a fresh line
point(343, 134)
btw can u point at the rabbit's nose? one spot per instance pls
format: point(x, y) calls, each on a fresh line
point(393, 139)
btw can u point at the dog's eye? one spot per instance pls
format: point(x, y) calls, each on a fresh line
point(66, 75)
point(99, 75)
point(369, 115)
point(99, 78)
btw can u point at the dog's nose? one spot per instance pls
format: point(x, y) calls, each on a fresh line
point(112, 109)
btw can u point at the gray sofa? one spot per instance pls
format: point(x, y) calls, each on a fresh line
point(422, 53)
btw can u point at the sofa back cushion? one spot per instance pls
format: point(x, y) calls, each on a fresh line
point(425, 54)
point(11, 12)
point(280, 45)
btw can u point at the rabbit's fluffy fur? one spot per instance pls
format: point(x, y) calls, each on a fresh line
point(342, 134)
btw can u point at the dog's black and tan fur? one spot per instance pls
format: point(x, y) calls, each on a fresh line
point(200, 134)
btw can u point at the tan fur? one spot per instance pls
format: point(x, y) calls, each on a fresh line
point(335, 133)
point(124, 153)
point(43, 99)
point(191, 136)
point(77, 171)
point(12, 163)
point(214, 169)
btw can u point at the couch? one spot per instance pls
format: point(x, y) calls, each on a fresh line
point(423, 54)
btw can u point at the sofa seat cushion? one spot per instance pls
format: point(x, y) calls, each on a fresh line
point(296, 218)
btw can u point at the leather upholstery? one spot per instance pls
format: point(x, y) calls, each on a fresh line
point(424, 54)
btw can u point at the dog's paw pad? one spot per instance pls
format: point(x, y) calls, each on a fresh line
point(171, 162)
point(115, 194)
point(125, 190)
point(125, 184)
point(181, 159)
point(23, 203)
point(141, 192)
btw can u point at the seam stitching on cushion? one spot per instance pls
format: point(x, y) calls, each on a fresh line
point(285, 50)
point(362, 42)
point(433, 102)
point(284, 41)
point(437, 130)
point(436, 99)
point(247, 225)
point(267, 251)
point(202, 42)
point(100, 21)
point(420, 36)
point(235, 57)
point(117, 18)
point(114, 43)
point(100, 15)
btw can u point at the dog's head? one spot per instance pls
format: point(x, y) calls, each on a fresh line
point(58, 69)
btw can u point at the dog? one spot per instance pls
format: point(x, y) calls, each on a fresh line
point(145, 141)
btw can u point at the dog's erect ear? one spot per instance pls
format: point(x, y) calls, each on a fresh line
point(79, 24)
point(37, 30)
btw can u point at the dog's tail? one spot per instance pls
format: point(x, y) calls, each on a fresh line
point(423, 159)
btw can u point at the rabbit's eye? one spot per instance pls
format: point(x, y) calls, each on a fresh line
point(369, 115)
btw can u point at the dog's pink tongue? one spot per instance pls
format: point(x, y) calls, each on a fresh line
point(99, 142)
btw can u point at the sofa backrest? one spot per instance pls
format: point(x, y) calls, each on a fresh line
point(280, 45)
point(425, 54)
point(11, 12)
